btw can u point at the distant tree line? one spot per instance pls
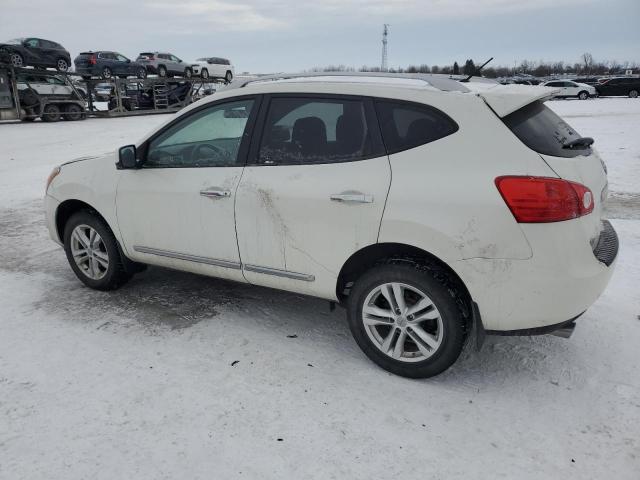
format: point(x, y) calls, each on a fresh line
point(586, 66)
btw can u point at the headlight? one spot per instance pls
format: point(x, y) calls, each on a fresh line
point(54, 173)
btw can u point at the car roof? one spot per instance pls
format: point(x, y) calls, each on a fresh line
point(405, 80)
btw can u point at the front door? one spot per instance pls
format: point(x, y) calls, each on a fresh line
point(178, 209)
point(313, 192)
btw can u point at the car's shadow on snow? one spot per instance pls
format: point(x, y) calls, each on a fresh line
point(165, 302)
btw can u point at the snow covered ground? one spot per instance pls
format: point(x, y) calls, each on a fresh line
point(179, 376)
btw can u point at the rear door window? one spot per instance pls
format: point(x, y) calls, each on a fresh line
point(316, 130)
point(540, 129)
point(407, 125)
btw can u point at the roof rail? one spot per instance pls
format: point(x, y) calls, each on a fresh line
point(440, 82)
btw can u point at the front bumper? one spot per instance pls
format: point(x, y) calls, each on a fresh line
point(562, 279)
point(50, 209)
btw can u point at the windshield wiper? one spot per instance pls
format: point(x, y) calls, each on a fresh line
point(579, 142)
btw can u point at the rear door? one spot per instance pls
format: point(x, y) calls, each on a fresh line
point(313, 192)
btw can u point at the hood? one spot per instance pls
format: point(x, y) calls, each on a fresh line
point(506, 99)
point(88, 157)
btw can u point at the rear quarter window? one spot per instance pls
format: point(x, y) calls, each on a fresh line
point(407, 125)
point(540, 129)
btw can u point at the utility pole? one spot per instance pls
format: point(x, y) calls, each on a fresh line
point(385, 33)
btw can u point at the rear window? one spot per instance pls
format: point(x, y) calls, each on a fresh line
point(408, 125)
point(540, 129)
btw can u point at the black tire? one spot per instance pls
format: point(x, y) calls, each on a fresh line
point(441, 289)
point(204, 73)
point(106, 73)
point(188, 73)
point(62, 65)
point(583, 95)
point(51, 113)
point(115, 275)
point(162, 71)
point(73, 112)
point(142, 73)
point(228, 76)
point(633, 94)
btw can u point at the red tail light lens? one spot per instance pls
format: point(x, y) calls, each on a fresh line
point(92, 60)
point(543, 200)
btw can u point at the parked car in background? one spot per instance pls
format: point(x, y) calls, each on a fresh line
point(588, 80)
point(49, 85)
point(36, 52)
point(571, 89)
point(213, 67)
point(620, 87)
point(301, 197)
point(106, 64)
point(164, 64)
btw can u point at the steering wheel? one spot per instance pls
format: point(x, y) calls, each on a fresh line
point(200, 152)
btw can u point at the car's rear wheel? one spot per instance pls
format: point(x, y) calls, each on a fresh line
point(407, 318)
point(51, 113)
point(228, 77)
point(583, 95)
point(93, 253)
point(107, 73)
point(633, 94)
point(62, 65)
point(17, 60)
point(162, 71)
point(204, 73)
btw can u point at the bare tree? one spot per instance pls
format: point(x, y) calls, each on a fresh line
point(587, 59)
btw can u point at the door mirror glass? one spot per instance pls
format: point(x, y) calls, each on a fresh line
point(127, 157)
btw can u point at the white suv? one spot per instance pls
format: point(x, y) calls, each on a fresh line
point(569, 88)
point(214, 68)
point(430, 209)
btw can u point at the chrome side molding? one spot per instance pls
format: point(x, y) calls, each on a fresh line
point(225, 263)
point(189, 258)
point(279, 273)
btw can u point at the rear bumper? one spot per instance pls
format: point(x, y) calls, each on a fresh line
point(562, 279)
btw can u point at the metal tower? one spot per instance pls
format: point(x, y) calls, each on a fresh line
point(385, 33)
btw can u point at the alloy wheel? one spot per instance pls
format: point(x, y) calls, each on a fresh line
point(402, 322)
point(62, 65)
point(16, 60)
point(89, 252)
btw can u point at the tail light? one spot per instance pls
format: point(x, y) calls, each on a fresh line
point(92, 60)
point(544, 200)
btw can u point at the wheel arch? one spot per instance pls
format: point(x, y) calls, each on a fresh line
point(371, 255)
point(69, 207)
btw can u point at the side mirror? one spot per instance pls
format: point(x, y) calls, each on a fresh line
point(127, 158)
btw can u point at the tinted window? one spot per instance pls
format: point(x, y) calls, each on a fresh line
point(174, 58)
point(540, 129)
point(208, 138)
point(32, 42)
point(314, 130)
point(121, 58)
point(408, 125)
point(554, 84)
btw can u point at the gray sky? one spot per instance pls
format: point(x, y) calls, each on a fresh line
point(289, 35)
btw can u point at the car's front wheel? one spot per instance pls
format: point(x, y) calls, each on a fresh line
point(188, 73)
point(583, 95)
point(407, 318)
point(633, 94)
point(142, 73)
point(204, 73)
point(17, 60)
point(92, 251)
point(228, 77)
point(62, 65)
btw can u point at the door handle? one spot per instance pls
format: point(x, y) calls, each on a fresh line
point(352, 197)
point(215, 193)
